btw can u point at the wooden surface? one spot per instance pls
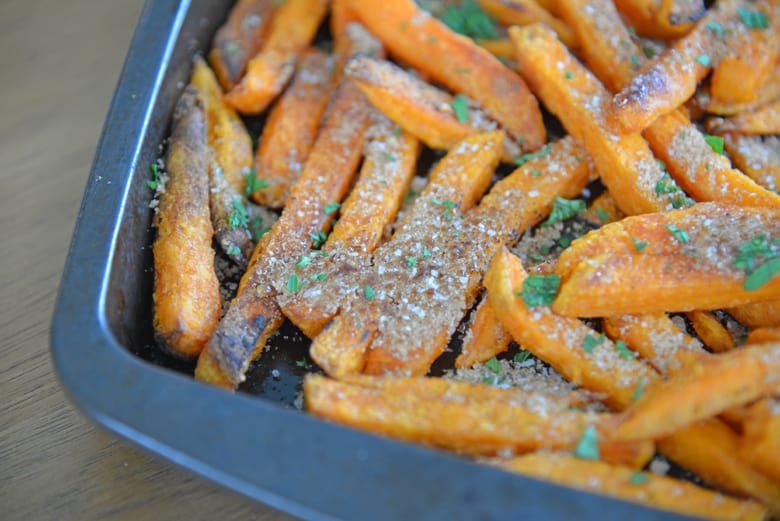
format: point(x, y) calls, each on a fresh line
point(58, 69)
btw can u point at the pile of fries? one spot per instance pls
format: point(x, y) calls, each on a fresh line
point(652, 328)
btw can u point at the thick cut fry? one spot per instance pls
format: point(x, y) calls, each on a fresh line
point(707, 448)
point(292, 29)
point(639, 487)
point(239, 39)
point(701, 172)
point(740, 377)
point(467, 418)
point(763, 120)
point(417, 107)
point(761, 437)
point(389, 163)
point(229, 163)
point(291, 128)
point(763, 314)
point(572, 93)
point(666, 19)
point(524, 12)
point(603, 210)
point(254, 315)
point(714, 334)
point(764, 334)
point(758, 158)
point(657, 339)
point(459, 64)
point(669, 80)
point(186, 294)
point(485, 338)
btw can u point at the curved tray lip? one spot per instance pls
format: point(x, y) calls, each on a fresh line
point(292, 461)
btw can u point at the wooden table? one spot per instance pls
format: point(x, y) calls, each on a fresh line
point(58, 69)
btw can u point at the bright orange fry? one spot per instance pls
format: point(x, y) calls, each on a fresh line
point(700, 171)
point(767, 92)
point(524, 12)
point(418, 107)
point(758, 158)
point(763, 314)
point(417, 38)
point(714, 334)
point(666, 20)
point(485, 338)
point(657, 339)
point(253, 314)
point(763, 334)
point(186, 293)
point(571, 92)
point(291, 128)
point(761, 437)
point(603, 210)
point(292, 29)
point(238, 39)
point(764, 120)
point(501, 48)
point(229, 164)
point(740, 376)
point(639, 487)
point(467, 418)
point(669, 80)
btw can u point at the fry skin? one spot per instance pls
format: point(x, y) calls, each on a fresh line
point(763, 120)
point(664, 20)
point(417, 38)
point(761, 437)
point(485, 338)
point(758, 158)
point(238, 39)
point(714, 334)
point(764, 314)
point(186, 294)
point(524, 12)
point(638, 487)
point(291, 128)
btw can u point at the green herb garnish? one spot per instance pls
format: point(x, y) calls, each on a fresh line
point(494, 365)
point(679, 234)
point(426, 253)
point(539, 290)
point(635, 63)
point(521, 357)
point(293, 283)
point(564, 209)
point(368, 292)
point(638, 245)
point(303, 262)
point(603, 215)
point(318, 238)
point(253, 184)
point(715, 27)
point(638, 478)
point(460, 106)
point(331, 208)
point(715, 143)
point(233, 250)
point(762, 275)
point(753, 19)
point(448, 205)
point(590, 342)
point(319, 277)
point(588, 446)
point(542, 152)
point(471, 20)
point(238, 217)
point(257, 229)
point(155, 181)
point(703, 60)
point(638, 390)
point(568, 75)
point(623, 350)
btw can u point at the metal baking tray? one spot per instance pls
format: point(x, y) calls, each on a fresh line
point(254, 441)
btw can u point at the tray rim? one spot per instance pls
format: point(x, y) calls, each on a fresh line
point(255, 444)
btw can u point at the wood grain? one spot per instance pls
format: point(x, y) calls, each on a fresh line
point(58, 69)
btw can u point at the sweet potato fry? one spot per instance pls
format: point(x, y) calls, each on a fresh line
point(760, 444)
point(524, 12)
point(714, 334)
point(740, 376)
point(707, 448)
point(572, 93)
point(291, 128)
point(467, 418)
point(292, 29)
point(763, 314)
point(603, 210)
point(758, 158)
point(657, 339)
point(419, 108)
point(238, 39)
point(639, 487)
point(229, 163)
point(764, 334)
point(254, 315)
point(767, 92)
point(764, 120)
point(664, 20)
point(700, 171)
point(389, 163)
point(669, 80)
point(459, 64)
point(186, 294)
point(485, 338)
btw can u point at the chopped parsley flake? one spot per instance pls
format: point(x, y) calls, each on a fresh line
point(231, 48)
point(590, 342)
point(318, 238)
point(588, 446)
point(233, 250)
point(155, 181)
point(635, 63)
point(648, 51)
point(762, 275)
point(715, 143)
point(293, 283)
point(564, 209)
point(448, 205)
point(257, 229)
point(303, 364)
point(638, 245)
point(368, 292)
point(753, 19)
point(539, 290)
point(319, 277)
point(253, 183)
point(703, 60)
point(494, 365)
point(426, 253)
point(460, 106)
point(303, 262)
point(389, 158)
point(639, 390)
point(542, 152)
point(238, 217)
point(623, 350)
point(397, 131)
point(679, 234)
point(568, 75)
point(603, 215)
point(331, 208)
point(638, 478)
point(521, 357)
point(715, 27)
point(665, 185)
point(760, 247)
point(471, 20)
point(535, 172)
point(411, 262)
